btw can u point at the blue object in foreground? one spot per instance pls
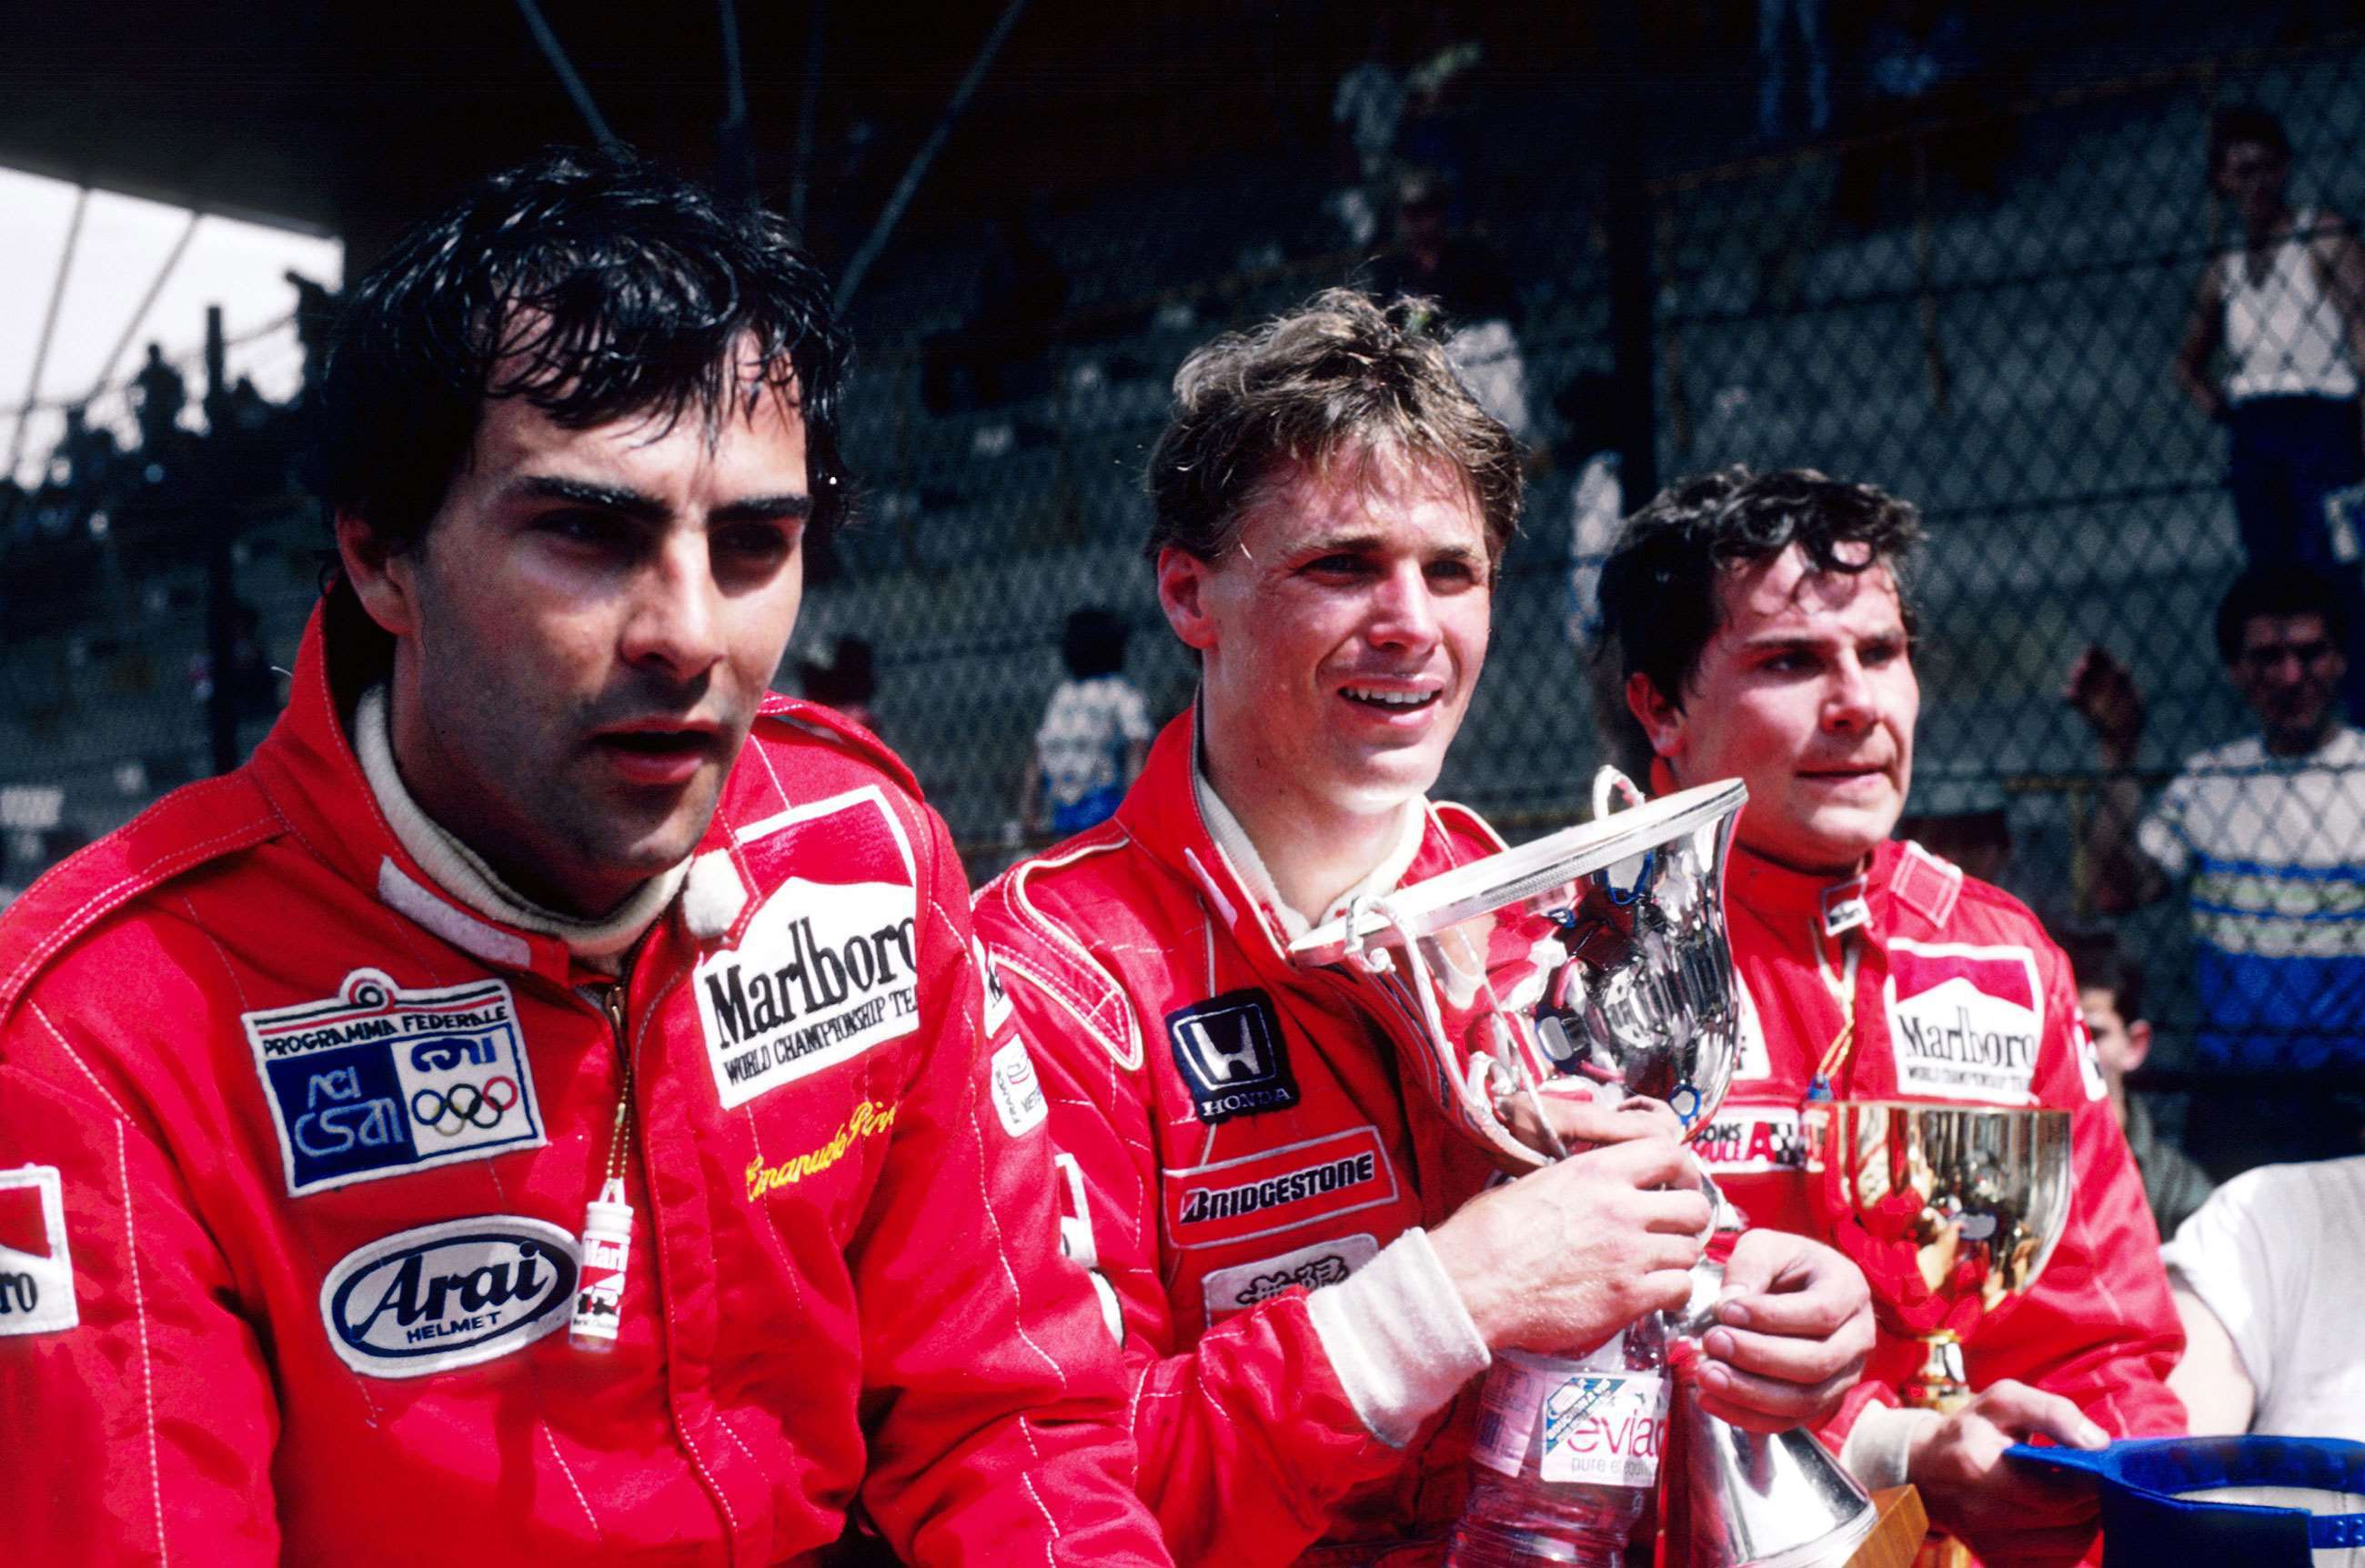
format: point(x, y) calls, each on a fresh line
point(2148, 1517)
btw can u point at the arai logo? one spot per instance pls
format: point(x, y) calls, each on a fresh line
point(448, 1295)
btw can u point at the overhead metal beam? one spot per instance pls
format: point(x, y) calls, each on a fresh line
point(893, 211)
point(554, 53)
point(49, 325)
point(735, 154)
point(816, 36)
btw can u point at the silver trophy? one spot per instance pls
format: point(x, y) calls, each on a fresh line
point(1600, 954)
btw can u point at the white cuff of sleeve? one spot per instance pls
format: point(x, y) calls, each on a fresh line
point(1399, 1337)
point(1877, 1444)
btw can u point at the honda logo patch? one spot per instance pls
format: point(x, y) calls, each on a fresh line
point(1229, 1050)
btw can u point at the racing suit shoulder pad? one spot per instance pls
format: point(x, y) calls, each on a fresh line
point(781, 717)
point(193, 825)
point(1050, 929)
point(1467, 828)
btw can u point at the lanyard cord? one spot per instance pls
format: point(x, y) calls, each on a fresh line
point(1843, 989)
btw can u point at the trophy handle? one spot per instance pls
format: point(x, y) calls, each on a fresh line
point(1609, 780)
point(1477, 1085)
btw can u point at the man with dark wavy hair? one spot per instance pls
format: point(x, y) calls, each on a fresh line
point(1765, 627)
point(547, 1103)
point(1305, 1257)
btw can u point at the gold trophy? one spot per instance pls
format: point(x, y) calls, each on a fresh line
point(1951, 1212)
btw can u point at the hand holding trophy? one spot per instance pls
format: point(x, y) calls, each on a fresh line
point(1597, 954)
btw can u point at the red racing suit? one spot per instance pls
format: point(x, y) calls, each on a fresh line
point(1236, 1131)
point(295, 1152)
point(1961, 997)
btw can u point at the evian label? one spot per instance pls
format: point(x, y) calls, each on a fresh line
point(1964, 1021)
point(1600, 1426)
point(825, 974)
point(1606, 1429)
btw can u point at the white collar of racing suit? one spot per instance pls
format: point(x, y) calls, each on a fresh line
point(462, 873)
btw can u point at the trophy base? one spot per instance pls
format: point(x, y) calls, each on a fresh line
point(1939, 1385)
point(1896, 1533)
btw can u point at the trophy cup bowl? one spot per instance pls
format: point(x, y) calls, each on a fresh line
point(1951, 1212)
point(1597, 953)
point(1600, 954)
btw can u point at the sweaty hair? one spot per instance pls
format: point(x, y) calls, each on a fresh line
point(2099, 965)
point(1092, 643)
point(2278, 590)
point(2244, 122)
point(595, 285)
point(1659, 599)
point(1340, 379)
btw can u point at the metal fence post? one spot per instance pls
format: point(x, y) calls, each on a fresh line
point(1633, 282)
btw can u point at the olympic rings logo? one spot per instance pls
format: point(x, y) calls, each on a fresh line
point(465, 1105)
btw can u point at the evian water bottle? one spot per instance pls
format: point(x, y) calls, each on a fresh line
point(1567, 1454)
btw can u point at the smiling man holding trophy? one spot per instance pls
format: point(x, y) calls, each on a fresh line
point(1291, 1222)
point(1765, 635)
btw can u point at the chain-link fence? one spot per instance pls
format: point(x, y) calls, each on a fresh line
point(1980, 302)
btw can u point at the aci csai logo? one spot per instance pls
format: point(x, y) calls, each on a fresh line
point(1229, 1053)
point(448, 1295)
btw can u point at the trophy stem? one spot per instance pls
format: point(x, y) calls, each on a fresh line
point(1940, 1384)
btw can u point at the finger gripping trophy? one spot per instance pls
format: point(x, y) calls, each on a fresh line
point(1598, 956)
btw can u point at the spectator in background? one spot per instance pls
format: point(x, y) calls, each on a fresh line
point(1921, 95)
point(995, 355)
point(1436, 131)
point(1778, 21)
point(1473, 294)
point(2110, 1003)
point(2267, 1277)
point(316, 317)
point(2287, 306)
point(158, 395)
point(1367, 109)
point(842, 676)
point(1095, 732)
point(2270, 833)
point(1587, 407)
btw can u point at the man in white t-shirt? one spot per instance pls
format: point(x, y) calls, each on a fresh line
point(1095, 731)
point(2268, 1276)
point(2269, 833)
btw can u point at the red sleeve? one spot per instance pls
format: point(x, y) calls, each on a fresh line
point(1247, 1439)
point(992, 1392)
point(143, 1431)
point(2099, 1328)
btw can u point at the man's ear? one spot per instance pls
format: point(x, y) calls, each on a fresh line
point(1181, 586)
point(1662, 720)
point(384, 580)
point(2138, 1043)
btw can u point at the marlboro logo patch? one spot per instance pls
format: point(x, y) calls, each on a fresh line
point(1964, 1021)
point(36, 1285)
point(827, 966)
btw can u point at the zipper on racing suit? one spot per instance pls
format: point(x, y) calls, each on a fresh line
point(607, 1243)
